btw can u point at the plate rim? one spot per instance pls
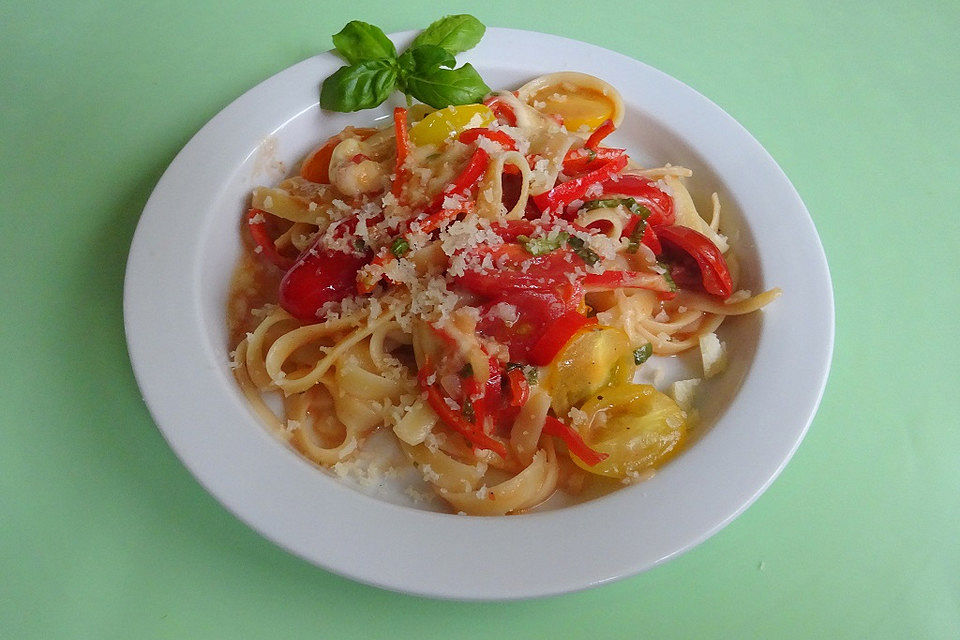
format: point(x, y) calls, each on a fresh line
point(485, 585)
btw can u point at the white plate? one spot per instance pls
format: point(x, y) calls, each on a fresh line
point(755, 415)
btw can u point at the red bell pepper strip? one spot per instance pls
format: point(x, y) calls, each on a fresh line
point(258, 230)
point(464, 182)
point(645, 192)
point(579, 160)
point(472, 135)
point(649, 237)
point(502, 111)
point(557, 199)
point(460, 424)
point(557, 335)
point(626, 280)
point(683, 243)
point(434, 220)
point(493, 394)
point(519, 387)
point(599, 134)
point(403, 150)
point(573, 440)
point(472, 432)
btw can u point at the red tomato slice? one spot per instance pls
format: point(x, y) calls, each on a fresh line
point(697, 262)
point(535, 310)
point(538, 287)
point(321, 275)
point(317, 277)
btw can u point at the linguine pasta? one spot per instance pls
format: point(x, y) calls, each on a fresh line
point(482, 282)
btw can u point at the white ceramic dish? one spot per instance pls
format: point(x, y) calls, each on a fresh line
point(755, 415)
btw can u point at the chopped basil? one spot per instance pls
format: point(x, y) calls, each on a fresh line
point(529, 372)
point(641, 354)
point(667, 276)
point(532, 375)
point(632, 205)
point(636, 235)
point(580, 248)
point(540, 246)
point(601, 204)
point(399, 247)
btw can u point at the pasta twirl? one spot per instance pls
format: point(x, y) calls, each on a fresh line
point(483, 281)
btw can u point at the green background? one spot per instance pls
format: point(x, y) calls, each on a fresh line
point(104, 534)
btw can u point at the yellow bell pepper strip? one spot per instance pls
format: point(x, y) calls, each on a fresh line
point(557, 199)
point(443, 124)
point(573, 440)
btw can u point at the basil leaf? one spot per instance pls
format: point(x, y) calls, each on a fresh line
point(359, 86)
point(362, 42)
point(426, 80)
point(424, 59)
point(452, 33)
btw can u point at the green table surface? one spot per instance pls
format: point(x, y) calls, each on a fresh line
point(103, 533)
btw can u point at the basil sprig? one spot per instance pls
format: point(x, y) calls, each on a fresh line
point(426, 70)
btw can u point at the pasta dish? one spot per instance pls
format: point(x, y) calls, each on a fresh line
point(481, 283)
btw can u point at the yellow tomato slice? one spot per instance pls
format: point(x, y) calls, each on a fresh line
point(636, 425)
point(580, 107)
point(448, 122)
point(596, 356)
